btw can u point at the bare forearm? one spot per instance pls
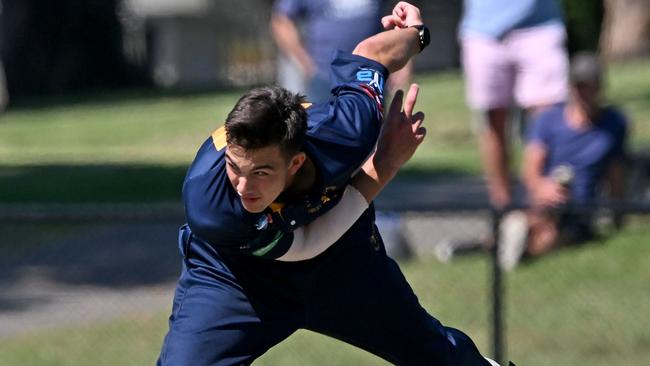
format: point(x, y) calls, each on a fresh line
point(533, 166)
point(392, 48)
point(373, 177)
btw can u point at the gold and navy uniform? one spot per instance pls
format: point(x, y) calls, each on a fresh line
point(233, 303)
point(340, 136)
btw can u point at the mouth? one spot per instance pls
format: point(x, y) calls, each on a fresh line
point(250, 199)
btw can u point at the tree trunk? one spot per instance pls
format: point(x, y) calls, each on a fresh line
point(626, 31)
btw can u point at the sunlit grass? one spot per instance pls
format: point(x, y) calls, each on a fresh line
point(578, 306)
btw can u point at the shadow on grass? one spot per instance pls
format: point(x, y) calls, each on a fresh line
point(128, 254)
point(41, 261)
point(63, 183)
point(38, 257)
point(90, 183)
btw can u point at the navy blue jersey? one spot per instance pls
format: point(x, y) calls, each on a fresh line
point(341, 134)
point(587, 151)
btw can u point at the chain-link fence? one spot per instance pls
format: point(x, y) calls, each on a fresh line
point(93, 285)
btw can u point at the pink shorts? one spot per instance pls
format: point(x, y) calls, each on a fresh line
point(529, 66)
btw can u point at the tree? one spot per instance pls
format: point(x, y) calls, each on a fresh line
point(584, 19)
point(626, 31)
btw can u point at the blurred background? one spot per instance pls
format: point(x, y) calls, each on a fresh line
point(105, 103)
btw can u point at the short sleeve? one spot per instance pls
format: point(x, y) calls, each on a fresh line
point(343, 132)
point(539, 130)
point(354, 73)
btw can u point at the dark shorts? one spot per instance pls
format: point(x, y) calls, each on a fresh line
point(229, 310)
point(576, 227)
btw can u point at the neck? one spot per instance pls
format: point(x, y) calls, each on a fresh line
point(579, 115)
point(303, 180)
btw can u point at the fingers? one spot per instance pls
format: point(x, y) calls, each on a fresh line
point(392, 21)
point(417, 120)
point(396, 104)
point(411, 99)
point(420, 134)
point(388, 22)
point(407, 13)
point(398, 11)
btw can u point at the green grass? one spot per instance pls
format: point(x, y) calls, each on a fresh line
point(136, 145)
point(578, 306)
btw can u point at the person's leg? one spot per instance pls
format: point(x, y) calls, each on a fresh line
point(496, 157)
point(489, 79)
point(361, 297)
point(216, 322)
point(542, 65)
point(543, 234)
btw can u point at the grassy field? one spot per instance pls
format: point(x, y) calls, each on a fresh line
point(580, 306)
point(135, 146)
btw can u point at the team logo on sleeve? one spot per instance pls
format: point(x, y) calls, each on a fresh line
point(371, 78)
point(373, 84)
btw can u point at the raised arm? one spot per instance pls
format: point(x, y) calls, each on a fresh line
point(400, 137)
point(396, 46)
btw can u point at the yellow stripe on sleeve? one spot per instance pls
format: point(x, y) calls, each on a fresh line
point(219, 138)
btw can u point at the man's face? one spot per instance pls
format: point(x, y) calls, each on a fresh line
point(260, 175)
point(588, 95)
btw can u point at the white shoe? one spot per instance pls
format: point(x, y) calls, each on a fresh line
point(513, 233)
point(492, 362)
point(444, 251)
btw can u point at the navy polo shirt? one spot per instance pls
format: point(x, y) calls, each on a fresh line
point(587, 151)
point(341, 134)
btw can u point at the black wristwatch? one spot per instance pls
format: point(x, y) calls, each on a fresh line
point(423, 34)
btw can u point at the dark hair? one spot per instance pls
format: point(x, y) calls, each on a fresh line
point(268, 116)
point(586, 67)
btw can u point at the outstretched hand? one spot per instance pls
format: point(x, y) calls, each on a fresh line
point(404, 15)
point(401, 133)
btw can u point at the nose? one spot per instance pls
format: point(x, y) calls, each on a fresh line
point(242, 185)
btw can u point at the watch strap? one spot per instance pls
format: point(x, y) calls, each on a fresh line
point(423, 35)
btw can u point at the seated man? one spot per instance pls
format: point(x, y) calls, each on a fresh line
point(572, 149)
point(255, 265)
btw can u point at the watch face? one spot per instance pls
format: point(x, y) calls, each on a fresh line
point(426, 37)
point(423, 35)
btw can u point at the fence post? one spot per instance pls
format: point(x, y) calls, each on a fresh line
point(497, 291)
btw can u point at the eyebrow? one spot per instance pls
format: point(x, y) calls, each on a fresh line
point(265, 166)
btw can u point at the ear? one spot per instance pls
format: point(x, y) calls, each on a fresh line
point(296, 162)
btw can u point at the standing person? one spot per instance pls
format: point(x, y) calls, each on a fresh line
point(327, 26)
point(574, 150)
point(512, 51)
point(261, 185)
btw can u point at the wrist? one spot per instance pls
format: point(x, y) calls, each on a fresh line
point(424, 37)
point(384, 169)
